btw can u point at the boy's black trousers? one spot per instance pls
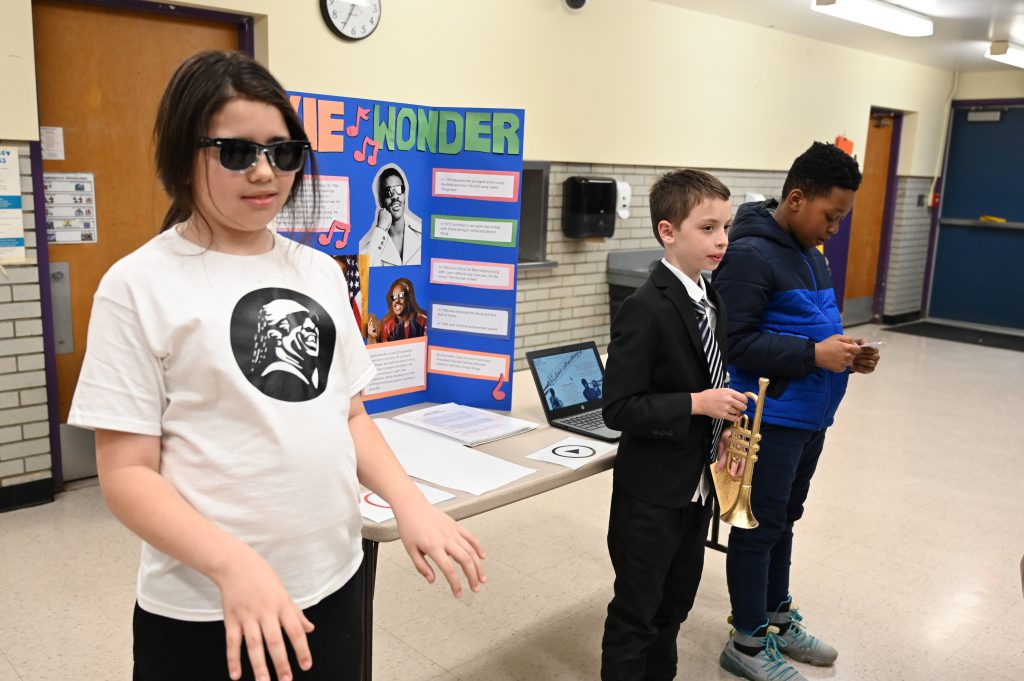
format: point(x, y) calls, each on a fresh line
point(658, 556)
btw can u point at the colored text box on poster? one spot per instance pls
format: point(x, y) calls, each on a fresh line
point(473, 319)
point(482, 185)
point(401, 368)
point(474, 274)
point(467, 363)
point(334, 204)
point(483, 231)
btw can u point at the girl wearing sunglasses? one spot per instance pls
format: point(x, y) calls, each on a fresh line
point(244, 490)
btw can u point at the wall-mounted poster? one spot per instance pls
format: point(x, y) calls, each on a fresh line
point(70, 205)
point(12, 223)
point(420, 207)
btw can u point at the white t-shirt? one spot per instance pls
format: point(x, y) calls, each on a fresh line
point(245, 367)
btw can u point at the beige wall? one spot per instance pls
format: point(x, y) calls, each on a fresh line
point(618, 82)
point(19, 117)
point(635, 82)
point(1006, 83)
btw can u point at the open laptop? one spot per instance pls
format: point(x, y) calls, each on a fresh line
point(570, 380)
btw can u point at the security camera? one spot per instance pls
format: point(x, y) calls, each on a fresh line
point(575, 4)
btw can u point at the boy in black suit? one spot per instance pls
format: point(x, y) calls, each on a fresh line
point(664, 390)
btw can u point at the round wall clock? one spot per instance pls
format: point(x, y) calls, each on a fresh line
point(351, 20)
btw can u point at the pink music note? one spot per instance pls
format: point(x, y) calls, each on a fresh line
point(361, 115)
point(336, 226)
point(360, 155)
point(498, 393)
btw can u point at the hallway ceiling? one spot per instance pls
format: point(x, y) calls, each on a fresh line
point(963, 28)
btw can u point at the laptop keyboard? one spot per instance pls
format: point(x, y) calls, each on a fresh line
point(590, 420)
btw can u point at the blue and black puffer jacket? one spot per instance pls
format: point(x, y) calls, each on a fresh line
point(781, 302)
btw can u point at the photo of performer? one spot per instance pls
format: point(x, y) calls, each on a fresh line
point(405, 319)
point(396, 234)
point(591, 390)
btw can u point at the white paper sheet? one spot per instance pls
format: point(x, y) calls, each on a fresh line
point(376, 509)
point(438, 460)
point(466, 425)
point(572, 452)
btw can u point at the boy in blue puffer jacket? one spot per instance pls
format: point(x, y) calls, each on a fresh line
point(784, 324)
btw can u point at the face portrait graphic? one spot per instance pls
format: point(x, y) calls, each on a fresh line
point(397, 297)
point(301, 336)
point(290, 335)
point(392, 196)
point(289, 340)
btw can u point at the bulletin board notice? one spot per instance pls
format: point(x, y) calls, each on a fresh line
point(70, 200)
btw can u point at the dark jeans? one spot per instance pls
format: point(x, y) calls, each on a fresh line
point(658, 556)
point(757, 564)
point(167, 649)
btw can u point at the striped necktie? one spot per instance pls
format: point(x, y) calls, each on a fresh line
point(714, 357)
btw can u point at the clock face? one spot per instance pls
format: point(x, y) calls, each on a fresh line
point(354, 20)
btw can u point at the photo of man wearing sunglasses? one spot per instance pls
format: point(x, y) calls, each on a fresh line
point(405, 319)
point(395, 236)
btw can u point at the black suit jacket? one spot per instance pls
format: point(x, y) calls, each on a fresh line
point(655, 361)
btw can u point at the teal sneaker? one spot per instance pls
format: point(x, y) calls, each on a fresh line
point(799, 644)
point(767, 665)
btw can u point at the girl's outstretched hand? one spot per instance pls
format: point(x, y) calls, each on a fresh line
point(256, 609)
point(427, 532)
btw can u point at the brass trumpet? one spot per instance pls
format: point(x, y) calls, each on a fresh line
point(734, 491)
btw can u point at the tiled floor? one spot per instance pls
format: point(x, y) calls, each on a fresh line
point(907, 559)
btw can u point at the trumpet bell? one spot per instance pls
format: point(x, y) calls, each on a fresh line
point(739, 514)
point(734, 490)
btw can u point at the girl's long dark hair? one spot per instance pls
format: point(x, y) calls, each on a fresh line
point(200, 86)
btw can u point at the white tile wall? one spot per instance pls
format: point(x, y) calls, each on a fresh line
point(908, 252)
point(24, 430)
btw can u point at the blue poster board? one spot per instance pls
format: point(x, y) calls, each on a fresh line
point(420, 207)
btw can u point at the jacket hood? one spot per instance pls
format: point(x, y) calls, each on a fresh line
point(757, 219)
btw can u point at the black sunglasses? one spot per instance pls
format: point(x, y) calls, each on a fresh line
point(241, 155)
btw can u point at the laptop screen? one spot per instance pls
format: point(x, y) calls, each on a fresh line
point(569, 376)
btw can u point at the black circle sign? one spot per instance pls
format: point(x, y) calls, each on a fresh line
point(574, 451)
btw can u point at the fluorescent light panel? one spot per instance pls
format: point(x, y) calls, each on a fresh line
point(877, 14)
point(1006, 53)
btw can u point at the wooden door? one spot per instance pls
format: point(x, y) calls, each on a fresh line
point(866, 227)
point(100, 73)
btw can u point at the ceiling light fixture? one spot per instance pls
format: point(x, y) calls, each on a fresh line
point(877, 14)
point(1004, 52)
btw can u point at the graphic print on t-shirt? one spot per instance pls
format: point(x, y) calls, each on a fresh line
point(283, 342)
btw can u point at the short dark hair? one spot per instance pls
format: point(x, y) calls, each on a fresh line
point(677, 192)
point(200, 86)
point(820, 169)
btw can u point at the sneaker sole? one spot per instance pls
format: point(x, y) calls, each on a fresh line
point(815, 662)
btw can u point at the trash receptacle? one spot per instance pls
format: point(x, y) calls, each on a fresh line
point(627, 271)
